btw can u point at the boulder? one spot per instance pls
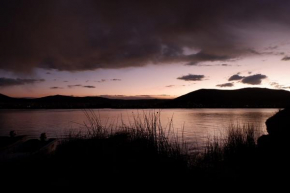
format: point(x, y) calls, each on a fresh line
point(278, 128)
point(279, 124)
point(273, 149)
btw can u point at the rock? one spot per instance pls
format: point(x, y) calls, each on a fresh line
point(273, 149)
point(278, 127)
point(279, 124)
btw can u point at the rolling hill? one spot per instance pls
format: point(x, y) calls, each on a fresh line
point(246, 97)
point(203, 98)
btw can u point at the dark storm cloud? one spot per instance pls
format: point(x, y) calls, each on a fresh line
point(89, 86)
point(6, 82)
point(235, 77)
point(191, 77)
point(225, 85)
point(80, 35)
point(286, 58)
point(254, 79)
point(202, 57)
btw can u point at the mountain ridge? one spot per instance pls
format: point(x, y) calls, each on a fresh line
point(202, 98)
point(245, 97)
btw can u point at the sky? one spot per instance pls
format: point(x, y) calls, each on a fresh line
point(142, 49)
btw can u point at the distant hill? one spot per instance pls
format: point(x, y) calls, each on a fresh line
point(63, 98)
point(203, 98)
point(5, 98)
point(70, 102)
point(246, 97)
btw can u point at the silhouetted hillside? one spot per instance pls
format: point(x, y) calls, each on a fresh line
point(5, 98)
point(247, 97)
point(67, 102)
point(204, 98)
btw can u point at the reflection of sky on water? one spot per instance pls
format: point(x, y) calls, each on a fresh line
point(197, 125)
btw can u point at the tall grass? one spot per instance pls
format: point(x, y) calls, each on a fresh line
point(142, 145)
point(147, 132)
point(238, 146)
point(148, 152)
point(146, 126)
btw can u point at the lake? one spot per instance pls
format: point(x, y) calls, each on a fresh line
point(196, 125)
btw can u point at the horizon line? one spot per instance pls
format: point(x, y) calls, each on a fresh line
point(142, 97)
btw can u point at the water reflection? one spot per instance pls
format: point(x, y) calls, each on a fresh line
point(195, 124)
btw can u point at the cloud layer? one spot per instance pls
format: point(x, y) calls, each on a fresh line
point(191, 77)
point(236, 77)
point(88, 86)
point(225, 85)
point(79, 85)
point(56, 87)
point(7, 82)
point(84, 35)
point(286, 58)
point(255, 79)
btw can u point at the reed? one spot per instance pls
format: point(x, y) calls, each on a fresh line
point(236, 148)
point(145, 152)
point(143, 146)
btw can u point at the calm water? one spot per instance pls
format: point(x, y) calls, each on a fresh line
point(197, 124)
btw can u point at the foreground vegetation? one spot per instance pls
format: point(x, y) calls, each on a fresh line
point(146, 154)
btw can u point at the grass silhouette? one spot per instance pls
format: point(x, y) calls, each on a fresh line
point(143, 153)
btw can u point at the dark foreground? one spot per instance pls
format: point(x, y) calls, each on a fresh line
point(119, 162)
point(145, 158)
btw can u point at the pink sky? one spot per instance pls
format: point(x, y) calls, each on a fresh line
point(142, 49)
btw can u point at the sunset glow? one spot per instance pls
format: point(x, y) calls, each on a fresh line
point(52, 51)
